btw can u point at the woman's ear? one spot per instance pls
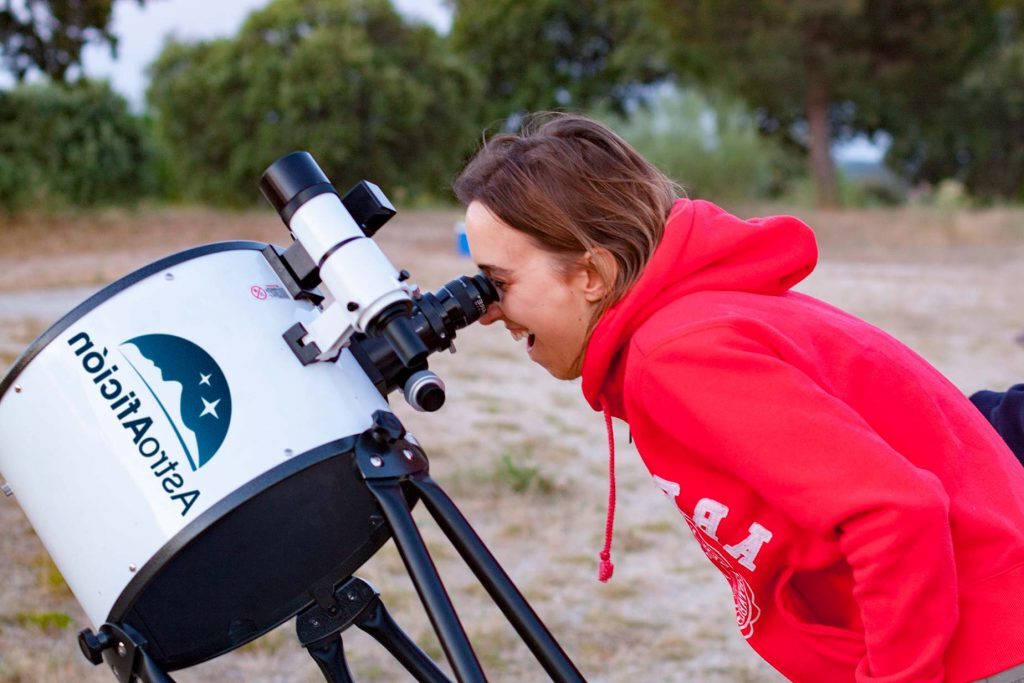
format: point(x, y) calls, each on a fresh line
point(597, 277)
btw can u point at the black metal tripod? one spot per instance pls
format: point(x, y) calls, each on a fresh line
point(388, 462)
point(395, 470)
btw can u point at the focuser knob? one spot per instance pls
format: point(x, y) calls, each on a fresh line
point(93, 645)
point(386, 428)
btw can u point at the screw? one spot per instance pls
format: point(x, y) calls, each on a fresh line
point(353, 306)
point(314, 622)
point(168, 276)
point(121, 649)
point(132, 567)
point(17, 388)
point(403, 275)
point(409, 455)
point(288, 452)
point(377, 461)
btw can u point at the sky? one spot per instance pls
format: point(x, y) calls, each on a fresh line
point(141, 32)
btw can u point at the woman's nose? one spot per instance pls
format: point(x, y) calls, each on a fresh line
point(493, 314)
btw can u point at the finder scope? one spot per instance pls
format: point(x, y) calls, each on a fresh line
point(334, 231)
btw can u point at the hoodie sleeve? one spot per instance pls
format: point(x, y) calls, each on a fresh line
point(729, 399)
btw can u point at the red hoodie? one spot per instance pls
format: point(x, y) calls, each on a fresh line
point(866, 516)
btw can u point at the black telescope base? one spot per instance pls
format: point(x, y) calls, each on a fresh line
point(395, 471)
point(357, 602)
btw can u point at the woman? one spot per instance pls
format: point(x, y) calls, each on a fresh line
point(821, 465)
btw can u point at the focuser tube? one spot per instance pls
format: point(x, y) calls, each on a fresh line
point(436, 318)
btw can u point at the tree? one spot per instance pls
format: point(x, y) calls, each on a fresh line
point(368, 94)
point(977, 137)
point(709, 145)
point(48, 35)
point(548, 54)
point(820, 70)
point(93, 152)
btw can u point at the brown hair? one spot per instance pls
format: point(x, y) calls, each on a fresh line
point(572, 185)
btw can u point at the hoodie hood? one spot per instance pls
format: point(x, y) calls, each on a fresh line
point(704, 248)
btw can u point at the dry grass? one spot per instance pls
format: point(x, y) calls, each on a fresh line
point(521, 454)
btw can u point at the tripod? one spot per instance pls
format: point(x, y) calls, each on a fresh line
point(393, 469)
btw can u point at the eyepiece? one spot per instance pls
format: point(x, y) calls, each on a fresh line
point(397, 351)
point(465, 299)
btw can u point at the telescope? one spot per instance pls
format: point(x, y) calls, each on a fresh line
point(206, 449)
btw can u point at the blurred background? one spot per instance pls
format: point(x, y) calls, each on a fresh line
point(830, 102)
point(130, 129)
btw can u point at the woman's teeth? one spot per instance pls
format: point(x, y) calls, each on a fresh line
point(519, 335)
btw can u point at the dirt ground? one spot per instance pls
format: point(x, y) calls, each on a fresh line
point(521, 454)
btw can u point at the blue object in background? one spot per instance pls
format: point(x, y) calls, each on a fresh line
point(461, 242)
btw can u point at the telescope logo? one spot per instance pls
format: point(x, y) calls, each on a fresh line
point(190, 389)
point(185, 384)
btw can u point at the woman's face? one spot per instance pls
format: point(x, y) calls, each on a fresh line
point(541, 304)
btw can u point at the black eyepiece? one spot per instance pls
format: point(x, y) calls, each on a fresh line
point(457, 304)
point(392, 357)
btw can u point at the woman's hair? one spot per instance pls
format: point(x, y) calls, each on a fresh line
point(573, 185)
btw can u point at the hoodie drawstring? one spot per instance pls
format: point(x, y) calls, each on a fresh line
point(606, 568)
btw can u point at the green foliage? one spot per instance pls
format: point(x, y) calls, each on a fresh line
point(881, 190)
point(819, 70)
point(44, 620)
point(559, 53)
point(77, 145)
point(515, 473)
point(48, 35)
point(709, 145)
point(49, 577)
point(877, 60)
point(977, 136)
point(369, 95)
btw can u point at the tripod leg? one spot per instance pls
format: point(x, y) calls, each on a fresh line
point(378, 623)
point(493, 578)
point(330, 657)
point(425, 577)
point(150, 672)
point(319, 628)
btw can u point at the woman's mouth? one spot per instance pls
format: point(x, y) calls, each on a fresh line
point(520, 334)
